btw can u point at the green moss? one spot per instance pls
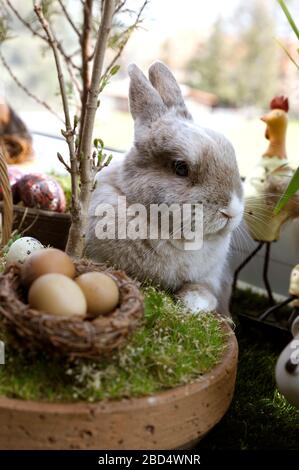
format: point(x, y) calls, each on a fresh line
point(171, 348)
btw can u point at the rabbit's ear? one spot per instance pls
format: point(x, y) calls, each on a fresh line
point(165, 83)
point(146, 104)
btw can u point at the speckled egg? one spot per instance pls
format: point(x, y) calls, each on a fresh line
point(41, 192)
point(21, 249)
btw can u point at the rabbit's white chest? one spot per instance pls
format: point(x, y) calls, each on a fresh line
point(205, 265)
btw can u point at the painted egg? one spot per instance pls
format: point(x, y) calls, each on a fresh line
point(14, 175)
point(21, 249)
point(41, 192)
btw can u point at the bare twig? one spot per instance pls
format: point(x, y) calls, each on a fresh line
point(69, 133)
point(67, 58)
point(119, 6)
point(92, 100)
point(23, 219)
point(76, 239)
point(74, 79)
point(25, 89)
point(85, 56)
point(126, 35)
point(83, 163)
point(30, 225)
point(69, 18)
point(61, 159)
point(73, 54)
point(26, 23)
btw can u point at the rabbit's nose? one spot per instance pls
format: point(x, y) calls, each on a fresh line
point(226, 213)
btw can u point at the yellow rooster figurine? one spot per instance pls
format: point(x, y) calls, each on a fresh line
point(264, 186)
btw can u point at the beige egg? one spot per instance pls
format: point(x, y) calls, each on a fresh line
point(58, 295)
point(101, 292)
point(49, 260)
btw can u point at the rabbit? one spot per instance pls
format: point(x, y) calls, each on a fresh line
point(172, 161)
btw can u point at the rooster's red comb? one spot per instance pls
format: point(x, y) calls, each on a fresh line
point(280, 102)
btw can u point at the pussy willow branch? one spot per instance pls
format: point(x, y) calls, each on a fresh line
point(69, 133)
point(69, 18)
point(25, 89)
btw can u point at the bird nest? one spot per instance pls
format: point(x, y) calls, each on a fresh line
point(90, 338)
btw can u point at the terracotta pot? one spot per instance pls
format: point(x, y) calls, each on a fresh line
point(177, 418)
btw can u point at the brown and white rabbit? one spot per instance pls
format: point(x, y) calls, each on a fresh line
point(172, 161)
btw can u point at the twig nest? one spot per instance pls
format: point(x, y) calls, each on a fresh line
point(57, 294)
point(41, 325)
point(101, 292)
point(21, 249)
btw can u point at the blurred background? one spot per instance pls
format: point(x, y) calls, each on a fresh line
point(227, 56)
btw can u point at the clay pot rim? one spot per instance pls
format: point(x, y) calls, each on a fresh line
point(127, 404)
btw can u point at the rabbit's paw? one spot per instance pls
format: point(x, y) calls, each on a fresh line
point(197, 299)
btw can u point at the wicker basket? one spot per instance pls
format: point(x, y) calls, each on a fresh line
point(7, 213)
point(85, 338)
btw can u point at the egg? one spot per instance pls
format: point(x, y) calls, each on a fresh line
point(49, 260)
point(101, 292)
point(57, 294)
point(21, 249)
point(41, 191)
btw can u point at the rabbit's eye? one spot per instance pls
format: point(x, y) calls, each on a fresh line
point(180, 168)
